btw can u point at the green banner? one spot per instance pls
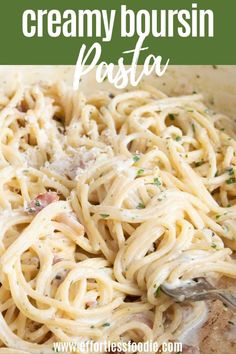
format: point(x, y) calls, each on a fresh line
point(53, 31)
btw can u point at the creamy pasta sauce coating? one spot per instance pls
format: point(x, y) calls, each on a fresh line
point(102, 200)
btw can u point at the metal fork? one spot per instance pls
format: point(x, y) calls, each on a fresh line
point(200, 289)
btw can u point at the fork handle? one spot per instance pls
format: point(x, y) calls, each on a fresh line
point(227, 298)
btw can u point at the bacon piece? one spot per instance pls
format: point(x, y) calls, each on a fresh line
point(41, 201)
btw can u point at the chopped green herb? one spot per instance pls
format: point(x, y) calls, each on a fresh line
point(104, 216)
point(213, 245)
point(230, 171)
point(157, 291)
point(226, 228)
point(92, 326)
point(140, 206)
point(178, 138)
point(106, 324)
point(214, 66)
point(157, 181)
point(193, 127)
point(199, 163)
point(231, 180)
point(140, 172)
point(217, 174)
point(37, 203)
point(136, 158)
point(218, 216)
point(172, 116)
point(31, 210)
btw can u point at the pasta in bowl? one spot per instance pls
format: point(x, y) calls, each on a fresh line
point(103, 199)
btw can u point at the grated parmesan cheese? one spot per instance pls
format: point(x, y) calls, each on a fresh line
point(77, 163)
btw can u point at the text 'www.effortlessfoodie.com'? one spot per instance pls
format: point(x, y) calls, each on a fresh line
point(118, 347)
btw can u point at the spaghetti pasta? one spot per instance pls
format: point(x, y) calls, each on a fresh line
point(145, 195)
